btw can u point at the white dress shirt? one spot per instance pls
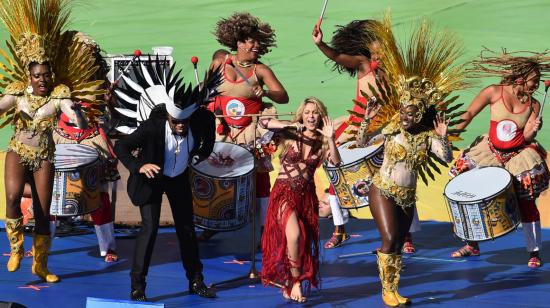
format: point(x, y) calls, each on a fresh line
point(176, 163)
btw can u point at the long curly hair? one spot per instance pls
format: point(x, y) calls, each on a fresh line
point(510, 66)
point(290, 136)
point(241, 26)
point(353, 39)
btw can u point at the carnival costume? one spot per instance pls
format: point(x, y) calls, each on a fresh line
point(237, 97)
point(421, 75)
point(505, 145)
point(36, 36)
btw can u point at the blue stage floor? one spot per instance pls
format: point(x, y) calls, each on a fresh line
point(497, 278)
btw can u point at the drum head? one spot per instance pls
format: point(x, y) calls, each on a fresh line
point(71, 156)
point(350, 154)
point(477, 184)
point(243, 161)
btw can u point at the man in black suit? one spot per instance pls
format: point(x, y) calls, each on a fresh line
point(167, 143)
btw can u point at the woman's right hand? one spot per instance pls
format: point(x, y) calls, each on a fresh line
point(317, 35)
point(372, 108)
point(149, 170)
point(297, 125)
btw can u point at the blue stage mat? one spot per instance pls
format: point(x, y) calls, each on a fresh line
point(499, 277)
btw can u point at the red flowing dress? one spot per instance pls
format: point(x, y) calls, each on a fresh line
point(293, 191)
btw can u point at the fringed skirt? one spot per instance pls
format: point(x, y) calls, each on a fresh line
point(526, 164)
point(288, 196)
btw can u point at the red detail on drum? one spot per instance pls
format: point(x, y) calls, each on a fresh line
point(194, 60)
point(137, 53)
point(547, 83)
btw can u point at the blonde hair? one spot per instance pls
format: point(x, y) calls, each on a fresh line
point(290, 138)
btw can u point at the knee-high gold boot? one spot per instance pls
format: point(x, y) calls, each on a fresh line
point(387, 272)
point(14, 231)
point(398, 266)
point(40, 250)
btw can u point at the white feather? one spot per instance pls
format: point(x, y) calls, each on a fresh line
point(125, 129)
point(127, 112)
point(132, 84)
point(147, 76)
point(126, 98)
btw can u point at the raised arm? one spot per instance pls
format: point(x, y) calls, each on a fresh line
point(440, 145)
point(484, 98)
point(275, 124)
point(6, 103)
point(332, 155)
point(349, 61)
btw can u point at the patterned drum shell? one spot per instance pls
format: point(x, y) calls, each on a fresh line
point(222, 195)
point(483, 204)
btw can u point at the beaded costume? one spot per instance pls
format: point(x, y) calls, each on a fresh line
point(36, 36)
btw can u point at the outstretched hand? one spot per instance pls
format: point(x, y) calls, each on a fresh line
point(372, 108)
point(441, 124)
point(328, 128)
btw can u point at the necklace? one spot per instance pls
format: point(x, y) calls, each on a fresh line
point(243, 63)
point(177, 151)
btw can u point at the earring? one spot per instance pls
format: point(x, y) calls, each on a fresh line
point(29, 89)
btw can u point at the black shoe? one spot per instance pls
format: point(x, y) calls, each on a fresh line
point(138, 296)
point(198, 287)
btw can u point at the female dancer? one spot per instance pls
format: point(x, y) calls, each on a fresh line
point(357, 51)
point(246, 82)
point(291, 235)
point(31, 102)
point(420, 75)
point(511, 140)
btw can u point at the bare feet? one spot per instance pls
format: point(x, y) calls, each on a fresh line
point(296, 293)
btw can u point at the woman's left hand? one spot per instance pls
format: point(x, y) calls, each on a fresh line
point(258, 91)
point(328, 128)
point(441, 124)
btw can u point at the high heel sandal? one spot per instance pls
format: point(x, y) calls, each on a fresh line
point(466, 251)
point(336, 240)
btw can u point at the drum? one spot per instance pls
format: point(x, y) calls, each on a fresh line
point(223, 188)
point(77, 180)
point(483, 204)
point(352, 179)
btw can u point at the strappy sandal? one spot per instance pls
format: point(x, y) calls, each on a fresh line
point(336, 240)
point(466, 251)
point(408, 247)
point(534, 262)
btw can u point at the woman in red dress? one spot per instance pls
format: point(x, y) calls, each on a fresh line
point(291, 235)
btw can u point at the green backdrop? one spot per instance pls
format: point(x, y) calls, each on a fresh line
point(120, 26)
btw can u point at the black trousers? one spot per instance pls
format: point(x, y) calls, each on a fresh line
point(178, 191)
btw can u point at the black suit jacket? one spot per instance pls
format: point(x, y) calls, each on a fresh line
point(150, 138)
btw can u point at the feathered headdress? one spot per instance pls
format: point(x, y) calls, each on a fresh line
point(421, 73)
point(155, 85)
point(36, 35)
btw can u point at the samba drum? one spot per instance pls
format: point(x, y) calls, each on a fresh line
point(77, 180)
point(483, 204)
point(223, 188)
point(352, 179)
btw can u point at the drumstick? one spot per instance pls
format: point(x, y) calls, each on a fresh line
point(137, 54)
point(229, 62)
point(546, 86)
point(323, 10)
point(256, 115)
point(195, 60)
